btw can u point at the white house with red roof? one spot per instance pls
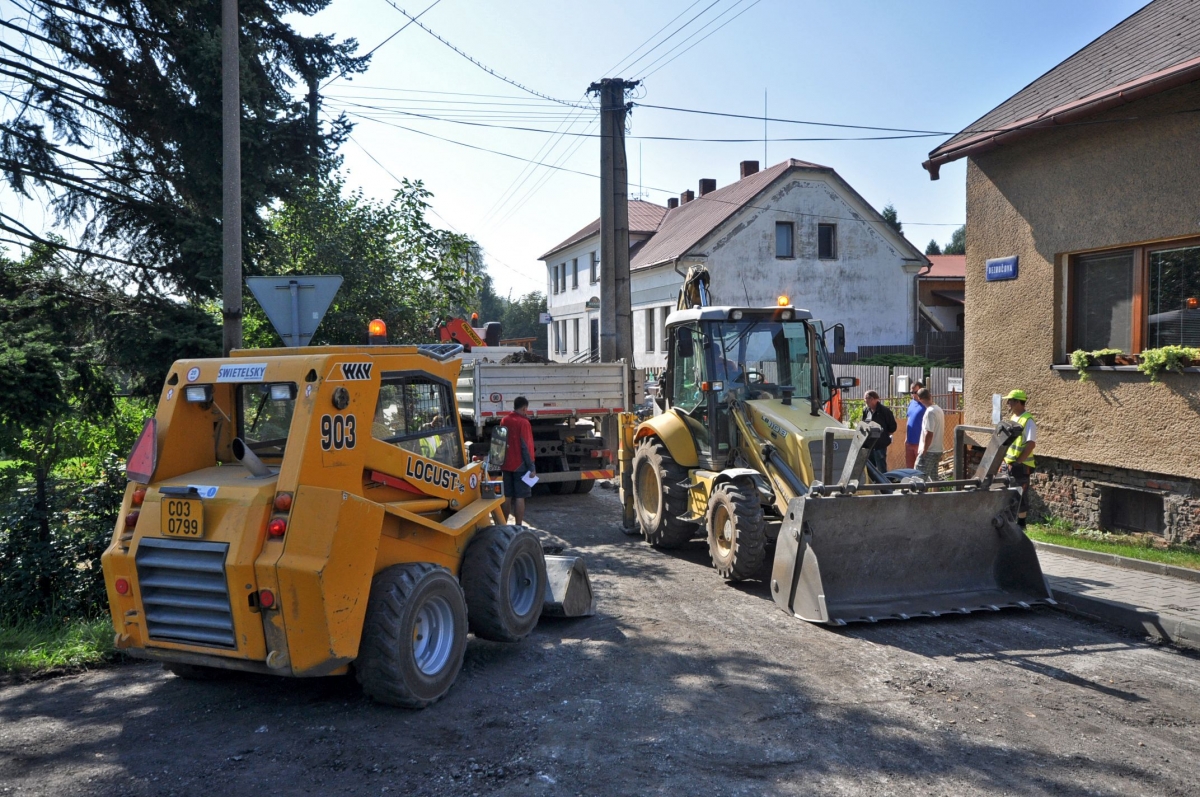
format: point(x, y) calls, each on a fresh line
point(795, 229)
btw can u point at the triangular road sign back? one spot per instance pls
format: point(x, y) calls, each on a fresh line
point(295, 305)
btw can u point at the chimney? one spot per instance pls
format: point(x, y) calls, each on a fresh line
point(707, 185)
point(686, 197)
point(672, 203)
point(749, 168)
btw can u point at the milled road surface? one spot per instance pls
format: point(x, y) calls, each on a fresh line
point(681, 685)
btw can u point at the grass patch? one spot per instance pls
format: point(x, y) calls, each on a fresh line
point(35, 648)
point(1060, 533)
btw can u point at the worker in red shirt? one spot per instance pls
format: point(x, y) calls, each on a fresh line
point(518, 459)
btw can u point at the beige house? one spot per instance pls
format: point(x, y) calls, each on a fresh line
point(1090, 177)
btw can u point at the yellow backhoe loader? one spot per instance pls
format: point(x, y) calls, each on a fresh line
point(295, 511)
point(741, 451)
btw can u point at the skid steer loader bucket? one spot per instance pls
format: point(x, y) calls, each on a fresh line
point(568, 590)
point(861, 557)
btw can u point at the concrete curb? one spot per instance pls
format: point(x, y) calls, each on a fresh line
point(1176, 630)
point(1113, 560)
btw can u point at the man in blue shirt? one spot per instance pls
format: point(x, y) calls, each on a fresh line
point(912, 438)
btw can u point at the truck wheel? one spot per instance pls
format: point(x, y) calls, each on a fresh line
point(658, 499)
point(737, 534)
point(584, 486)
point(414, 635)
point(504, 580)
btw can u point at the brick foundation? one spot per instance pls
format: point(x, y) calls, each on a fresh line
point(1092, 495)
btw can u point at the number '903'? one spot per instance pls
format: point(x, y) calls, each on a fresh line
point(338, 432)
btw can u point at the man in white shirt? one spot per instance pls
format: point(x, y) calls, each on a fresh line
point(933, 426)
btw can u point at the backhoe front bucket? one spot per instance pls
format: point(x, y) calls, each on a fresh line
point(870, 557)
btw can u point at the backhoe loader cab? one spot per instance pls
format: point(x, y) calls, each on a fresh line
point(294, 511)
point(743, 452)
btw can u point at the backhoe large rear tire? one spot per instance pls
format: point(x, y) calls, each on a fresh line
point(504, 581)
point(414, 635)
point(659, 499)
point(737, 531)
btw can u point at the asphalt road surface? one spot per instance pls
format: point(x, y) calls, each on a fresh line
point(681, 684)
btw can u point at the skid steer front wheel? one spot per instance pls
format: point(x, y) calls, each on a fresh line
point(504, 580)
point(737, 534)
point(659, 500)
point(414, 635)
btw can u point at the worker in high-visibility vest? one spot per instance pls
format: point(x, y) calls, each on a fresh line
point(1019, 458)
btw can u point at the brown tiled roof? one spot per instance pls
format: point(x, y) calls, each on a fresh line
point(687, 224)
point(644, 218)
point(947, 267)
point(1156, 48)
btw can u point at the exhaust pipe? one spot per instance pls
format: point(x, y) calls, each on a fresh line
point(243, 454)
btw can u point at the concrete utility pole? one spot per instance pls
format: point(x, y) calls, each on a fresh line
point(616, 316)
point(231, 179)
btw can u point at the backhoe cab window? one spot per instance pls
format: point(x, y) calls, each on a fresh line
point(416, 414)
point(265, 416)
point(689, 369)
point(753, 359)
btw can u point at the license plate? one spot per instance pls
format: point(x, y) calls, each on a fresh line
point(183, 517)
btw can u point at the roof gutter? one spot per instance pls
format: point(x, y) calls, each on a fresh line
point(1154, 83)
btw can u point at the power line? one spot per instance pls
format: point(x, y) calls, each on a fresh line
point(723, 24)
point(612, 69)
point(672, 34)
point(668, 190)
point(476, 62)
point(371, 52)
point(434, 210)
point(791, 121)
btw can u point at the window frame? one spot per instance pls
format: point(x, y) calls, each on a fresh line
point(651, 330)
point(574, 272)
point(1139, 304)
point(833, 242)
point(595, 268)
point(791, 228)
point(445, 388)
point(575, 325)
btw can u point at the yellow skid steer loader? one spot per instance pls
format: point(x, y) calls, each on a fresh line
point(297, 511)
point(742, 452)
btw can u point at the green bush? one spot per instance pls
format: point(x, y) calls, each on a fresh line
point(57, 575)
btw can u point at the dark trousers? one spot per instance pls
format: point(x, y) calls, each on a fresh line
point(878, 458)
point(1020, 474)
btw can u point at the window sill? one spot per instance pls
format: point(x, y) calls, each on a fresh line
point(1192, 369)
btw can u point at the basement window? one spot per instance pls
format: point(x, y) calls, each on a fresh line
point(1124, 509)
point(827, 241)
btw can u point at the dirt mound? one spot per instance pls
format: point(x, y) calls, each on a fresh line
point(524, 357)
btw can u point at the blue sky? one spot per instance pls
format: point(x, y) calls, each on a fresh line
point(930, 65)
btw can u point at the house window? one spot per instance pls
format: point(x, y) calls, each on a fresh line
point(663, 313)
point(783, 239)
point(574, 272)
point(827, 241)
point(1102, 301)
point(1173, 299)
point(595, 267)
point(554, 277)
point(651, 330)
point(1134, 299)
point(562, 340)
point(575, 324)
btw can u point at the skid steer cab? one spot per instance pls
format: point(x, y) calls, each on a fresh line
point(295, 511)
point(743, 453)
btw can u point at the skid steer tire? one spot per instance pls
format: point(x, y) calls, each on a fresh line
point(658, 499)
point(504, 580)
point(414, 635)
point(737, 532)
